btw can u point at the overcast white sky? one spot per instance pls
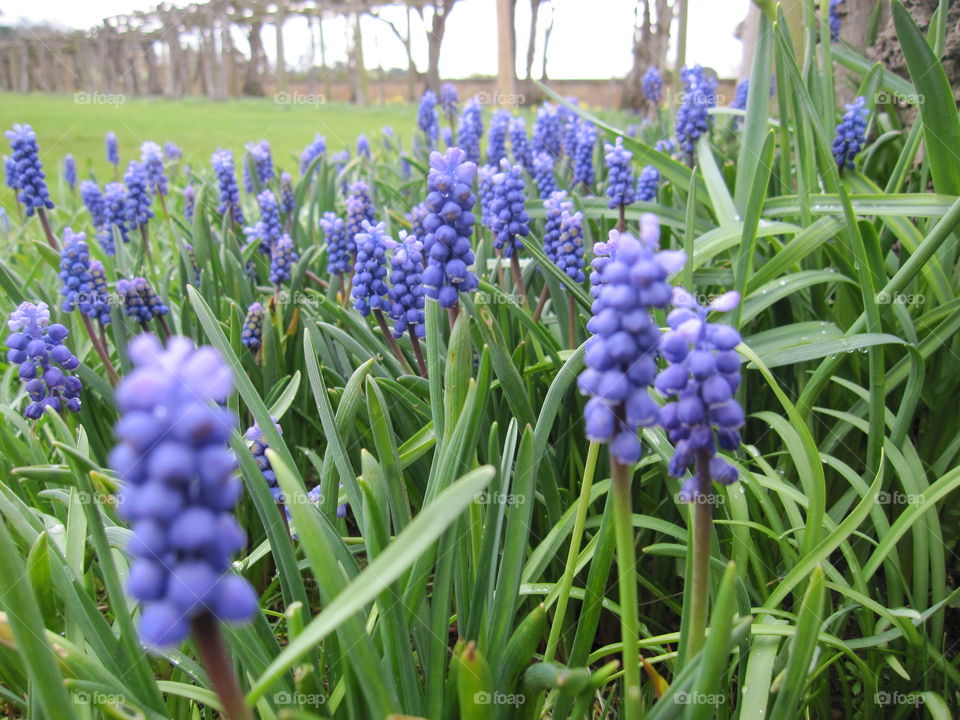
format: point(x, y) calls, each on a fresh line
point(591, 38)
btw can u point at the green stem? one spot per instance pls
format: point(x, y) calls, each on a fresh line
point(699, 546)
point(392, 341)
point(627, 582)
point(101, 350)
point(566, 582)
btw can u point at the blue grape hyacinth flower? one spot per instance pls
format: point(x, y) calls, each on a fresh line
point(268, 228)
point(10, 172)
point(485, 192)
point(835, 24)
point(30, 178)
point(370, 268)
point(282, 259)
point(113, 149)
point(151, 157)
point(653, 85)
point(115, 216)
point(338, 252)
point(359, 210)
point(620, 354)
point(260, 154)
point(449, 100)
point(701, 380)
point(548, 131)
point(415, 217)
point(171, 151)
point(189, 202)
point(406, 286)
point(693, 118)
point(252, 330)
point(70, 171)
point(363, 146)
point(140, 300)
point(310, 153)
point(258, 448)
point(497, 137)
point(33, 344)
point(79, 288)
point(543, 174)
point(470, 130)
point(93, 200)
point(583, 173)
point(851, 134)
point(287, 199)
point(178, 488)
point(427, 118)
point(520, 145)
point(509, 219)
point(647, 184)
point(571, 127)
point(449, 226)
point(620, 190)
point(222, 161)
point(138, 195)
point(554, 206)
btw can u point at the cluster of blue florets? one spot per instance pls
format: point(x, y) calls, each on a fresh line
point(338, 252)
point(702, 377)
point(93, 200)
point(497, 137)
point(620, 355)
point(427, 117)
point(268, 228)
point(179, 488)
point(548, 131)
point(28, 175)
point(259, 155)
point(619, 175)
point(287, 199)
point(70, 171)
point(543, 174)
point(449, 226)
point(80, 289)
point(258, 448)
point(369, 289)
point(406, 286)
point(693, 118)
point(653, 85)
point(470, 130)
point(520, 145)
point(508, 214)
point(140, 300)
point(449, 100)
point(33, 344)
point(113, 149)
point(115, 216)
point(563, 236)
point(229, 192)
point(310, 153)
point(851, 133)
point(282, 257)
point(151, 157)
point(647, 184)
point(138, 195)
point(252, 330)
point(583, 155)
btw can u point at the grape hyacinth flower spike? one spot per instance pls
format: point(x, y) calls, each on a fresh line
point(151, 157)
point(427, 118)
point(113, 153)
point(70, 172)
point(115, 216)
point(543, 174)
point(138, 202)
point(282, 259)
point(470, 130)
point(693, 118)
point(406, 293)
point(189, 202)
point(287, 198)
point(520, 145)
point(620, 367)
point(851, 134)
point(497, 138)
point(178, 489)
point(653, 85)
point(700, 381)
point(370, 292)
point(258, 448)
point(548, 131)
point(222, 161)
point(34, 342)
point(141, 302)
point(509, 219)
point(30, 178)
point(647, 184)
point(314, 150)
point(449, 226)
point(449, 102)
point(252, 331)
point(620, 190)
point(93, 200)
point(583, 173)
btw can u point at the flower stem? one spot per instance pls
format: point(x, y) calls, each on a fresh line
point(518, 277)
point(572, 320)
point(541, 302)
point(45, 221)
point(417, 351)
point(576, 536)
point(213, 653)
point(453, 313)
point(627, 582)
point(101, 351)
point(392, 341)
point(700, 562)
point(317, 279)
point(622, 219)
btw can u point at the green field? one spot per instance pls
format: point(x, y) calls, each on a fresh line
point(197, 125)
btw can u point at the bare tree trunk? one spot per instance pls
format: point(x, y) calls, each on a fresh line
point(253, 77)
point(531, 51)
point(506, 56)
point(323, 59)
point(281, 60)
point(438, 25)
point(546, 43)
